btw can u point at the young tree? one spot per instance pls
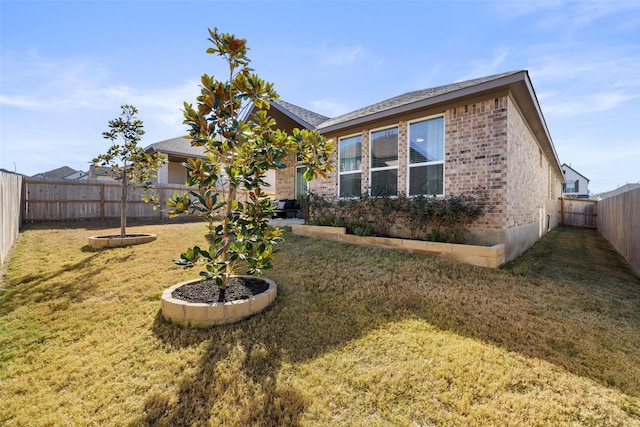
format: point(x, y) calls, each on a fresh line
point(127, 162)
point(240, 150)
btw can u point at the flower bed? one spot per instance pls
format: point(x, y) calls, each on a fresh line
point(484, 256)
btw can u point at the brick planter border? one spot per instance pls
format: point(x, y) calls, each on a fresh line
point(483, 256)
point(205, 315)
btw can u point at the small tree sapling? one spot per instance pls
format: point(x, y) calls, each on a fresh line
point(127, 162)
point(241, 142)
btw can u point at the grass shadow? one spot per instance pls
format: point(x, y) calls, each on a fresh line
point(36, 287)
point(238, 369)
point(569, 321)
point(542, 306)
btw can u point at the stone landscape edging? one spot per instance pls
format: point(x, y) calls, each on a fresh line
point(483, 256)
point(219, 313)
point(97, 242)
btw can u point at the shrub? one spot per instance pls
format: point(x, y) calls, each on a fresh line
point(427, 217)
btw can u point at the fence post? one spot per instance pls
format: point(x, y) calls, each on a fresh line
point(23, 202)
point(102, 213)
point(161, 201)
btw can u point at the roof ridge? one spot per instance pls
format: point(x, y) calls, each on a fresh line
point(413, 96)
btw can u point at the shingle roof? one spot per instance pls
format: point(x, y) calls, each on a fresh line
point(180, 146)
point(619, 190)
point(299, 114)
point(410, 98)
point(60, 172)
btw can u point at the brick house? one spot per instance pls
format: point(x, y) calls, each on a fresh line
point(177, 150)
point(441, 141)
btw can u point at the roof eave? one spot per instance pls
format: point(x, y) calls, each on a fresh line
point(292, 116)
point(459, 94)
point(541, 130)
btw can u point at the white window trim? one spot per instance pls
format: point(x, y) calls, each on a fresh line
point(438, 162)
point(371, 168)
point(349, 172)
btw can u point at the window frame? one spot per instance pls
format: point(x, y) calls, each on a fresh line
point(379, 169)
point(423, 164)
point(352, 172)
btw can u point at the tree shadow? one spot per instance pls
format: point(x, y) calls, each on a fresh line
point(35, 287)
point(320, 309)
point(235, 382)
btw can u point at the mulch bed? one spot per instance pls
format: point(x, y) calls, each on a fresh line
point(207, 292)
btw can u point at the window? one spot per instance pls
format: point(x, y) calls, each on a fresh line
point(384, 162)
point(570, 188)
point(302, 186)
point(426, 157)
point(349, 158)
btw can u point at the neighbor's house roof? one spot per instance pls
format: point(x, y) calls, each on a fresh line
point(564, 165)
point(619, 190)
point(180, 146)
point(59, 173)
point(516, 82)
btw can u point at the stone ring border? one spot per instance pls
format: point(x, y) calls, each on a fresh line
point(204, 315)
point(97, 242)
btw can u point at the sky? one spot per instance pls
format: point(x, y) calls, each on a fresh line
point(66, 67)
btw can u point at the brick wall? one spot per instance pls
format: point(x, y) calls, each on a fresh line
point(532, 185)
point(286, 180)
point(476, 155)
point(403, 146)
point(487, 144)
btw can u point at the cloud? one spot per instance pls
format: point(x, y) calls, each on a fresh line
point(57, 110)
point(80, 86)
point(342, 55)
point(577, 105)
point(570, 83)
point(489, 66)
point(35, 83)
point(330, 108)
point(570, 16)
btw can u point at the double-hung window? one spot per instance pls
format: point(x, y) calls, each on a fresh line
point(384, 162)
point(349, 159)
point(426, 157)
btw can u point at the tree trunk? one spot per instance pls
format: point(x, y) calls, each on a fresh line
point(123, 204)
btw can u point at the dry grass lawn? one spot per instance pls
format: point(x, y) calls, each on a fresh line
point(357, 337)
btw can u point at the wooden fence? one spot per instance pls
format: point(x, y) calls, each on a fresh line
point(578, 212)
point(60, 200)
point(10, 191)
point(77, 200)
point(619, 223)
